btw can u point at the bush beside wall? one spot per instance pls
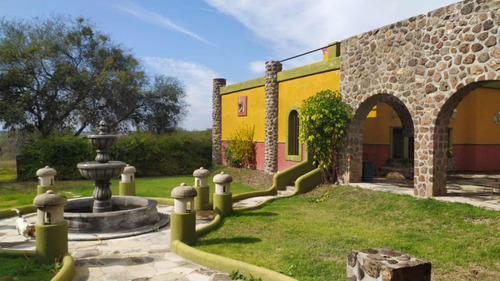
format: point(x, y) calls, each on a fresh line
point(152, 155)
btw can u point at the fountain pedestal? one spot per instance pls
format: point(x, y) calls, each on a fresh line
point(102, 196)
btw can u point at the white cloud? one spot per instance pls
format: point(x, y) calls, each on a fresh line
point(197, 80)
point(258, 66)
point(157, 19)
point(297, 26)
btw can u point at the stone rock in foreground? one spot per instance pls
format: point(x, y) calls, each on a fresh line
point(386, 264)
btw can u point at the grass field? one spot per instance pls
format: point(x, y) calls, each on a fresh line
point(309, 239)
point(309, 236)
point(22, 193)
point(26, 269)
point(7, 170)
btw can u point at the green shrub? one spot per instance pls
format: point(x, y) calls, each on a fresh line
point(152, 155)
point(324, 120)
point(59, 152)
point(240, 151)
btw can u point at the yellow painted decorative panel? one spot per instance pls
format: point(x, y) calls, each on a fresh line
point(293, 92)
point(255, 113)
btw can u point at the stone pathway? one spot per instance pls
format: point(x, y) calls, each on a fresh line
point(138, 258)
point(258, 200)
point(468, 192)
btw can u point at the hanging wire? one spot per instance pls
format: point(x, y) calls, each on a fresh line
point(306, 53)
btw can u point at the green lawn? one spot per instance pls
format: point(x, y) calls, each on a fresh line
point(22, 193)
point(309, 240)
point(19, 268)
point(7, 170)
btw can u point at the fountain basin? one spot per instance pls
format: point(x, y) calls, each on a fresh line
point(102, 141)
point(94, 170)
point(130, 215)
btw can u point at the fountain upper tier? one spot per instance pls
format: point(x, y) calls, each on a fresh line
point(94, 170)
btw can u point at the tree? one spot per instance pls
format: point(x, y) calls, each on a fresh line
point(324, 119)
point(62, 75)
point(163, 106)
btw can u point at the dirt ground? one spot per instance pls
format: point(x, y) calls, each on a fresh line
point(254, 178)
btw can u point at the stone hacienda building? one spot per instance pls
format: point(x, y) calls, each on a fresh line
point(422, 67)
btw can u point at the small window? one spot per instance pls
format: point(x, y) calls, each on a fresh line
point(293, 133)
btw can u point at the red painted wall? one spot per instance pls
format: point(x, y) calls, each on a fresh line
point(282, 163)
point(260, 150)
point(377, 154)
point(475, 157)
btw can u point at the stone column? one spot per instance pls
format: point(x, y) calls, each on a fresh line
point(430, 156)
point(271, 143)
point(440, 157)
point(216, 121)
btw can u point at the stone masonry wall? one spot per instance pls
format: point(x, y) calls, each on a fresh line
point(271, 126)
point(429, 63)
point(216, 121)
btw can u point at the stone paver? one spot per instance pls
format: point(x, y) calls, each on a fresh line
point(258, 200)
point(144, 257)
point(460, 192)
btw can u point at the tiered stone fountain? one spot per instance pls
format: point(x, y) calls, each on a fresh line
point(103, 214)
point(101, 170)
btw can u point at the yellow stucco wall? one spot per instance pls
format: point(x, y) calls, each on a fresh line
point(293, 92)
point(255, 113)
point(474, 122)
point(376, 130)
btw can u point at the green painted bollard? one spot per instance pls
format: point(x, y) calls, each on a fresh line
point(51, 241)
point(183, 227)
point(126, 187)
point(201, 201)
point(183, 218)
point(45, 180)
point(51, 229)
point(223, 202)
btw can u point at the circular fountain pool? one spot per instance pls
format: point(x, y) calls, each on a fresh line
point(130, 215)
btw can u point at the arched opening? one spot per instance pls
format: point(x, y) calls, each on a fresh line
point(293, 149)
point(381, 131)
point(387, 146)
point(467, 139)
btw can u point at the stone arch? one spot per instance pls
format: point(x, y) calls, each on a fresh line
point(441, 138)
point(353, 151)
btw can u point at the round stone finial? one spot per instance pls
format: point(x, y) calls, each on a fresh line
point(222, 178)
point(201, 173)
point(103, 128)
point(47, 171)
point(49, 199)
point(129, 169)
point(184, 191)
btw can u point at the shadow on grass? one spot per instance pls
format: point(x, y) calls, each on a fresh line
point(234, 240)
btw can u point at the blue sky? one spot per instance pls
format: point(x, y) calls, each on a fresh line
point(197, 40)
